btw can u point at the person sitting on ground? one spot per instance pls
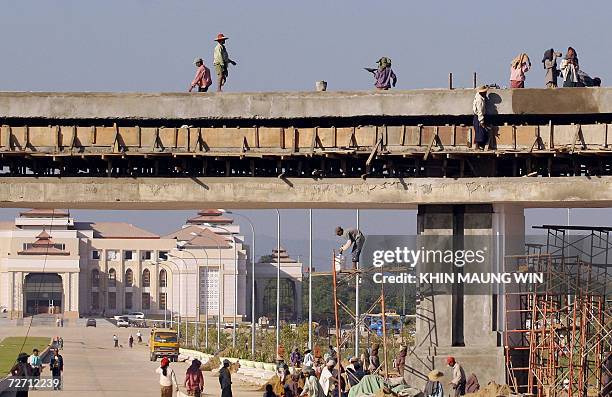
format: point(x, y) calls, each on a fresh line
point(479, 107)
point(269, 392)
point(518, 67)
point(354, 238)
point(550, 65)
point(202, 78)
point(194, 380)
point(433, 387)
point(570, 68)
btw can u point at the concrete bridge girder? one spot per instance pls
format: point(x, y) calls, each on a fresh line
point(195, 193)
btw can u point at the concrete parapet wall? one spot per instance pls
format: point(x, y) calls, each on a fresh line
point(299, 105)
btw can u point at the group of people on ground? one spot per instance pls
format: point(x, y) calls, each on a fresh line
point(221, 62)
point(459, 383)
point(569, 70)
point(31, 366)
point(194, 379)
point(130, 339)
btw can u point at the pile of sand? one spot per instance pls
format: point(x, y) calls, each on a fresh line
point(491, 390)
point(211, 364)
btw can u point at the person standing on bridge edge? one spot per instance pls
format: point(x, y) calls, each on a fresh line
point(479, 107)
point(354, 238)
point(202, 77)
point(225, 379)
point(570, 68)
point(221, 61)
point(518, 67)
point(384, 76)
point(167, 378)
point(550, 66)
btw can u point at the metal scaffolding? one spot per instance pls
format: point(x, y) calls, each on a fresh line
point(557, 333)
point(342, 278)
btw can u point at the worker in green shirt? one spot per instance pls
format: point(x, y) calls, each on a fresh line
point(221, 61)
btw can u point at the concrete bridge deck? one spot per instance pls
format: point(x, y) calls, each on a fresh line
point(313, 149)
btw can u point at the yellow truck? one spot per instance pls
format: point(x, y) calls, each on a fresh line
point(163, 343)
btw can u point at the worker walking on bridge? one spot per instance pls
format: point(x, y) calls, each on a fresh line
point(354, 238)
point(202, 78)
point(221, 61)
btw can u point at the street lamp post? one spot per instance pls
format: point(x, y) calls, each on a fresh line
point(197, 334)
point(310, 278)
point(252, 282)
point(278, 231)
point(184, 275)
point(234, 239)
point(179, 301)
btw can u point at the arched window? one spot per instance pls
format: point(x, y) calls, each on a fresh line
point(112, 278)
point(95, 278)
point(129, 278)
point(163, 280)
point(146, 278)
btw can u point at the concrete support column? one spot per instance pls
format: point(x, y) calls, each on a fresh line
point(467, 326)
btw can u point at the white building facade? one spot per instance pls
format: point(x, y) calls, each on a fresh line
point(49, 263)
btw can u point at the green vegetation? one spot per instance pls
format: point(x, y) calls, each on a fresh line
point(11, 347)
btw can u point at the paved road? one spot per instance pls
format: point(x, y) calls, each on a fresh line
point(93, 367)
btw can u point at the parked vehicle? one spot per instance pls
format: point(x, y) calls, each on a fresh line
point(123, 322)
point(135, 316)
point(91, 322)
point(163, 343)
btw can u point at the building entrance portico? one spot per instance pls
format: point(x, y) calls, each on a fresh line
point(42, 294)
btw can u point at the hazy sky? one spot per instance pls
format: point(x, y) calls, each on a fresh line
point(130, 45)
point(149, 45)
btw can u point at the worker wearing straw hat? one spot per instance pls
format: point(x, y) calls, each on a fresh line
point(221, 61)
point(433, 388)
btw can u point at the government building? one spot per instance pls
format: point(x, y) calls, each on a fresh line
point(51, 263)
